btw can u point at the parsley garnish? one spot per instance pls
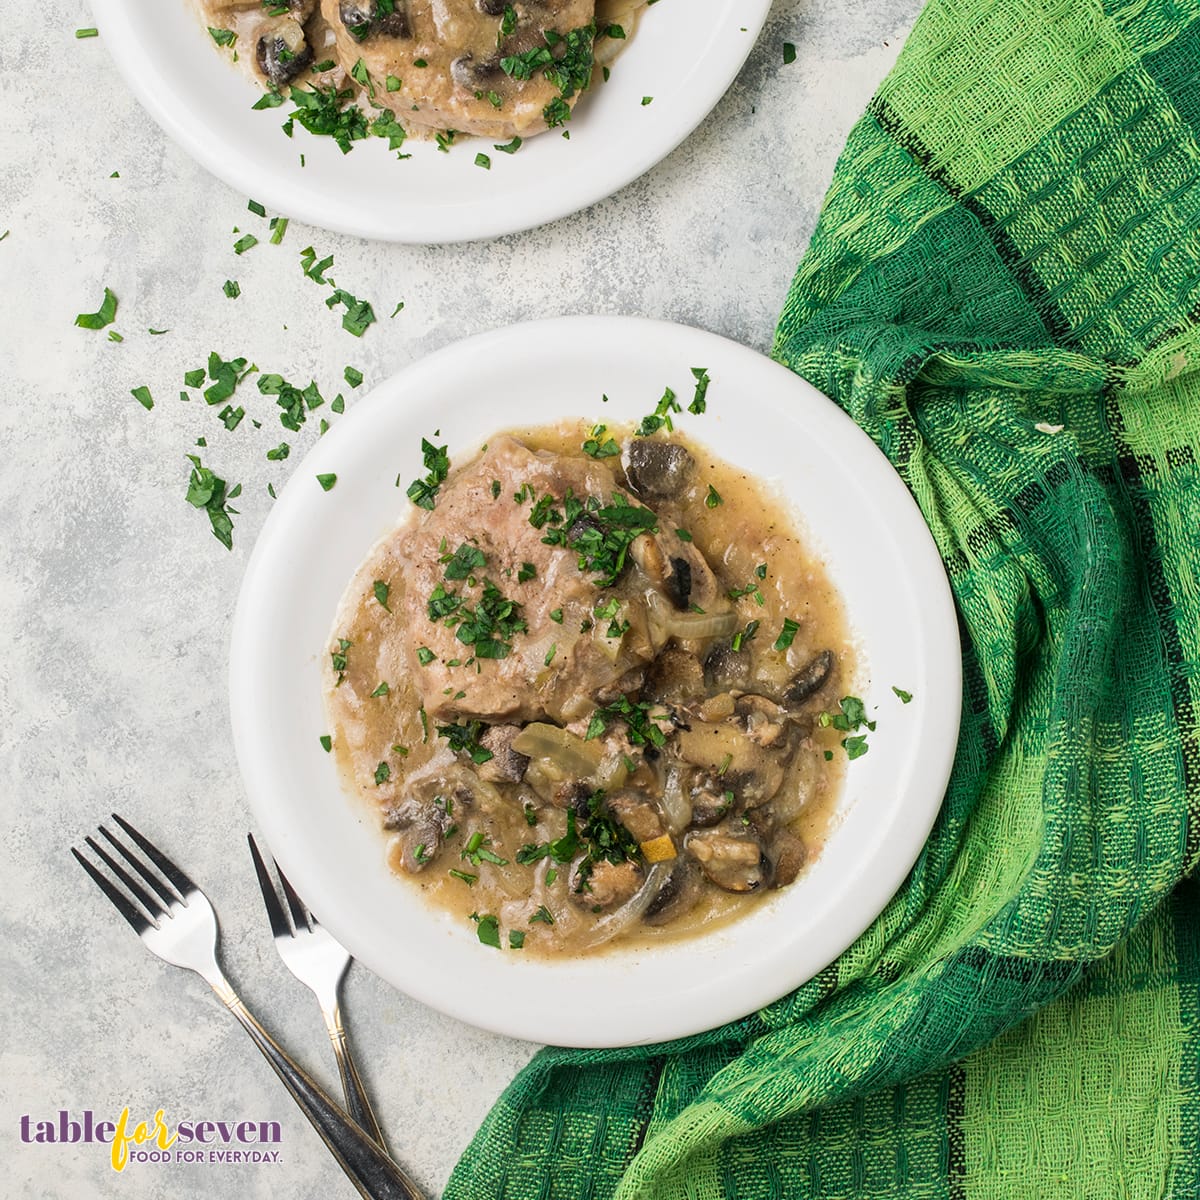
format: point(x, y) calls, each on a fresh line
point(337, 658)
point(104, 316)
point(358, 315)
point(464, 738)
point(327, 481)
point(489, 930)
point(463, 562)
point(852, 718)
point(787, 634)
point(661, 416)
point(326, 742)
point(223, 37)
point(713, 498)
point(593, 447)
point(636, 716)
point(209, 492)
point(381, 591)
point(382, 773)
point(509, 147)
point(422, 491)
point(905, 697)
point(142, 395)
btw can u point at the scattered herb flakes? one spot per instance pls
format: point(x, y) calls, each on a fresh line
point(359, 313)
point(482, 160)
point(231, 417)
point(542, 916)
point(399, 308)
point(789, 53)
point(257, 209)
point(647, 100)
point(509, 147)
point(661, 417)
point(393, 83)
point(699, 402)
point(640, 720)
point(225, 377)
point(326, 742)
point(381, 690)
point(516, 938)
point(464, 562)
point(855, 746)
point(278, 228)
point(327, 112)
point(142, 395)
point(208, 491)
point(488, 928)
point(550, 654)
point(787, 634)
point(92, 32)
point(313, 268)
point(244, 243)
point(382, 773)
point(527, 571)
point(594, 447)
point(105, 315)
point(425, 656)
point(194, 379)
point(158, 332)
point(740, 638)
point(556, 615)
point(853, 716)
point(465, 876)
point(905, 697)
point(338, 404)
point(279, 453)
point(382, 591)
point(353, 376)
point(683, 535)
point(327, 481)
point(338, 659)
point(232, 289)
point(713, 498)
point(464, 738)
point(114, 336)
point(437, 463)
point(223, 37)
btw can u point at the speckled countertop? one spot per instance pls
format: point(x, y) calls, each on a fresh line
point(115, 601)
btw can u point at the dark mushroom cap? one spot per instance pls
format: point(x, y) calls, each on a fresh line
point(277, 60)
point(811, 678)
point(656, 468)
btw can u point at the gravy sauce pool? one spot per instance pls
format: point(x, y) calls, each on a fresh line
point(388, 750)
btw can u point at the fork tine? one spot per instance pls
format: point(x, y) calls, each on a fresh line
point(167, 896)
point(299, 912)
point(279, 923)
point(140, 894)
point(120, 902)
point(182, 884)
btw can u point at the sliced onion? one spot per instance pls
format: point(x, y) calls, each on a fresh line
point(620, 919)
point(579, 759)
point(688, 625)
point(674, 801)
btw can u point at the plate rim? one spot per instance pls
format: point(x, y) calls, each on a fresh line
point(879, 887)
point(117, 21)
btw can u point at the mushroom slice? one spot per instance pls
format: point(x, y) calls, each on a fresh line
point(765, 721)
point(789, 854)
point(281, 50)
point(506, 764)
point(811, 678)
point(727, 668)
point(711, 804)
point(727, 751)
point(419, 826)
point(677, 896)
point(734, 862)
point(656, 468)
point(365, 18)
point(675, 677)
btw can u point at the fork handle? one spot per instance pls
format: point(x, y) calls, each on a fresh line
point(368, 1166)
point(358, 1105)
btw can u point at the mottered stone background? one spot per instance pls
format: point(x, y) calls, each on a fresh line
point(115, 600)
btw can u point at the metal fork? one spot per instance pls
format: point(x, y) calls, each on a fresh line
point(319, 961)
point(176, 922)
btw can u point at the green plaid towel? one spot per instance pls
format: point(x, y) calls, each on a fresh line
point(1004, 291)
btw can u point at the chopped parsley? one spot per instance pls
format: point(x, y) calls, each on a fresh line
point(509, 147)
point(482, 160)
point(713, 498)
point(105, 315)
point(337, 658)
point(599, 534)
point(542, 915)
point(210, 493)
point(425, 656)
point(464, 739)
point(527, 571)
point(381, 690)
point(244, 243)
point(463, 562)
point(905, 697)
point(358, 315)
point(353, 376)
point(142, 395)
point(232, 289)
point(740, 638)
point(853, 716)
point(327, 481)
point(516, 938)
point(642, 729)
point(223, 37)
point(437, 463)
point(787, 635)
point(381, 590)
point(488, 928)
point(89, 32)
point(661, 416)
point(593, 447)
point(225, 377)
point(326, 742)
point(789, 54)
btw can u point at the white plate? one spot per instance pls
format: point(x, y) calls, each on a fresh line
point(685, 54)
point(760, 416)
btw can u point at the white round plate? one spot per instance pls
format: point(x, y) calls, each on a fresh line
point(685, 54)
point(761, 417)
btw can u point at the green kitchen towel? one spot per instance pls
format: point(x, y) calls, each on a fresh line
point(1003, 290)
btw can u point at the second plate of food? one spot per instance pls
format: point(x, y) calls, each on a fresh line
point(358, 70)
point(605, 685)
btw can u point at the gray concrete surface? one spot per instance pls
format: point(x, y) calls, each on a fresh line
point(115, 601)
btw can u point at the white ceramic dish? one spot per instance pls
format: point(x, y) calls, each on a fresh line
point(760, 416)
point(685, 55)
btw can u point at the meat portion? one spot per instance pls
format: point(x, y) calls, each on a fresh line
point(566, 653)
point(467, 66)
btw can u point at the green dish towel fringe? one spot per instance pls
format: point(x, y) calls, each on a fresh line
point(1003, 290)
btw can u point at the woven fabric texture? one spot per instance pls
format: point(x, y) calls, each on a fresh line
point(1003, 290)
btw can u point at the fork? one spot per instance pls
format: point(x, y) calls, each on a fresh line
point(178, 924)
point(319, 961)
